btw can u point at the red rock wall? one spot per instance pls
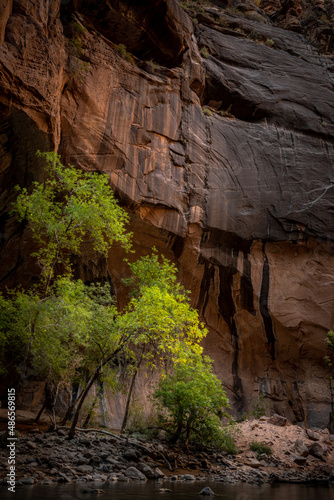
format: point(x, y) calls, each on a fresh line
point(242, 204)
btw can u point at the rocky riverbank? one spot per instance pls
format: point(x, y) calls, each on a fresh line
point(298, 455)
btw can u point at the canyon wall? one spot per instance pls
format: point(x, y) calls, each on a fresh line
point(217, 134)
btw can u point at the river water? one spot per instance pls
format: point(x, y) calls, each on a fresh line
point(180, 491)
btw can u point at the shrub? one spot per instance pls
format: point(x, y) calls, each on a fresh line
point(207, 111)
point(151, 65)
point(191, 402)
point(78, 28)
point(204, 52)
point(260, 448)
point(121, 50)
point(254, 35)
point(227, 113)
point(223, 22)
point(259, 407)
point(228, 440)
point(269, 42)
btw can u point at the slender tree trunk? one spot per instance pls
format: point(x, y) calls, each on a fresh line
point(70, 409)
point(90, 412)
point(46, 400)
point(81, 401)
point(178, 432)
point(48, 281)
point(127, 407)
point(93, 378)
point(54, 422)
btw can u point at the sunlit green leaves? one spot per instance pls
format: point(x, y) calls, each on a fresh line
point(70, 206)
point(159, 314)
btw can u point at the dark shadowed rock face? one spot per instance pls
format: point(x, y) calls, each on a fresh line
point(240, 196)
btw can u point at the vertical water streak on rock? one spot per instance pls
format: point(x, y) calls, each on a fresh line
point(203, 296)
point(246, 287)
point(227, 309)
point(264, 308)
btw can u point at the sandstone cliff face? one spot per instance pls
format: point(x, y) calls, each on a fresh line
point(240, 196)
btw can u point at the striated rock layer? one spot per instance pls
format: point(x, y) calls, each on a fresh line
point(239, 194)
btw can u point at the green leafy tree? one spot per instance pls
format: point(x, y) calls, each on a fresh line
point(192, 401)
point(67, 208)
point(71, 330)
point(159, 320)
point(61, 337)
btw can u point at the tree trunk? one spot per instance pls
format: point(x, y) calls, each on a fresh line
point(54, 422)
point(81, 401)
point(178, 432)
point(127, 407)
point(93, 378)
point(46, 400)
point(70, 409)
point(90, 413)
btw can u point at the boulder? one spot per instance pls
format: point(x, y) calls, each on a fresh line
point(317, 451)
point(314, 436)
point(299, 460)
point(84, 469)
point(301, 448)
point(93, 491)
point(158, 474)
point(189, 477)
point(277, 420)
point(253, 462)
point(31, 445)
point(28, 480)
point(95, 461)
point(134, 473)
point(146, 470)
point(207, 491)
point(131, 454)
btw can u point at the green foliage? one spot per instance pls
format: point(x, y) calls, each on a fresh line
point(191, 401)
point(224, 22)
point(78, 28)
point(151, 66)
point(260, 448)
point(207, 111)
point(254, 35)
point(259, 406)
point(121, 50)
point(204, 52)
point(259, 409)
point(159, 317)
point(227, 112)
point(67, 208)
point(77, 67)
point(330, 339)
point(269, 42)
point(62, 335)
point(228, 440)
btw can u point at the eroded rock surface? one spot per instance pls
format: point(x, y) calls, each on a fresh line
point(240, 196)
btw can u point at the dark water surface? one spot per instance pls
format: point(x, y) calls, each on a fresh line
point(180, 491)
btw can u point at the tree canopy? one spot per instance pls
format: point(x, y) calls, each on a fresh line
point(67, 207)
point(72, 332)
